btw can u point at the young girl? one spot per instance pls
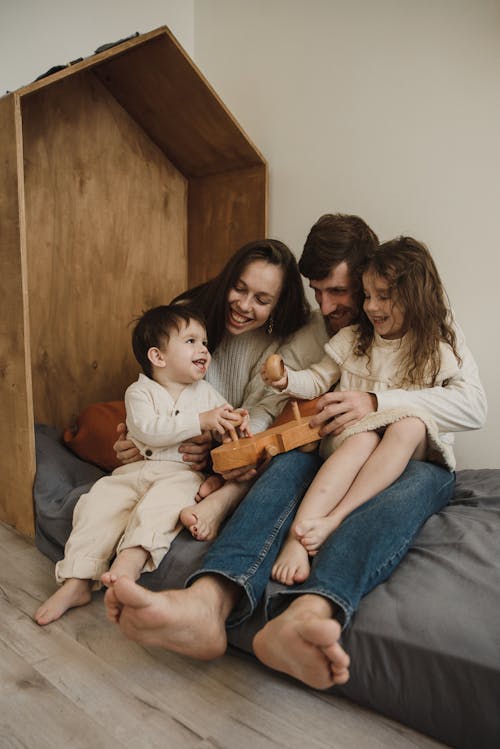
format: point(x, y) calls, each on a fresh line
point(405, 339)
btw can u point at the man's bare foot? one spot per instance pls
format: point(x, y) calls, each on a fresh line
point(211, 484)
point(190, 621)
point(292, 565)
point(128, 563)
point(314, 531)
point(303, 642)
point(73, 592)
point(112, 605)
point(204, 519)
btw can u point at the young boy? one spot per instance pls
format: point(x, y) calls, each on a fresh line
point(134, 512)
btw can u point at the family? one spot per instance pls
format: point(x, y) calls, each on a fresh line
point(328, 526)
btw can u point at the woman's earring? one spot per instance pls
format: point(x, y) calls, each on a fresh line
point(270, 325)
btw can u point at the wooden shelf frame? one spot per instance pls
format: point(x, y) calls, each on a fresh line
point(124, 179)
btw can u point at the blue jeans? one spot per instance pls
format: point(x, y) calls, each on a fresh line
point(359, 555)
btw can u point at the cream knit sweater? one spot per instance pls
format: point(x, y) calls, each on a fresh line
point(235, 373)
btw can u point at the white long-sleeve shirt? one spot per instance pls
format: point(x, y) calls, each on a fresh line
point(459, 406)
point(157, 424)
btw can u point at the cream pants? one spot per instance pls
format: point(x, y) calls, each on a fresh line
point(137, 505)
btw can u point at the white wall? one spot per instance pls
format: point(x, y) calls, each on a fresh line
point(385, 108)
point(36, 35)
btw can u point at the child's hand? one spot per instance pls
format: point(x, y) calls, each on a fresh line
point(244, 427)
point(220, 419)
point(274, 373)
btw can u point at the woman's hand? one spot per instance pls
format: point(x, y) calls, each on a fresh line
point(240, 474)
point(126, 451)
point(342, 409)
point(196, 451)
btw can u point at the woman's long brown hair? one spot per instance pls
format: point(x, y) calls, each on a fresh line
point(291, 311)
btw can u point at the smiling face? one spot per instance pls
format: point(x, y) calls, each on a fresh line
point(383, 311)
point(183, 358)
point(253, 297)
point(336, 297)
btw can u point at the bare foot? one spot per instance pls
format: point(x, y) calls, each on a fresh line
point(303, 643)
point(313, 532)
point(190, 621)
point(211, 484)
point(112, 605)
point(128, 563)
point(292, 565)
point(73, 592)
point(204, 519)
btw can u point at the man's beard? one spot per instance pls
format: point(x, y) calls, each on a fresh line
point(337, 321)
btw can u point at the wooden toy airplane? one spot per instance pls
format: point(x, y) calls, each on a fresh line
point(284, 436)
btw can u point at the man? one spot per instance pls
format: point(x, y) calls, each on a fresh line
point(301, 636)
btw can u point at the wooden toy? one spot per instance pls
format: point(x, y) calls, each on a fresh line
point(278, 439)
point(275, 368)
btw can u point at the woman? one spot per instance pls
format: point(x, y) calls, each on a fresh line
point(251, 307)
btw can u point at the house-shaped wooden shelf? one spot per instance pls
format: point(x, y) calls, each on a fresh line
point(123, 180)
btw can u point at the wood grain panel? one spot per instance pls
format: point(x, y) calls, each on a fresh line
point(225, 211)
point(16, 433)
point(159, 85)
point(106, 239)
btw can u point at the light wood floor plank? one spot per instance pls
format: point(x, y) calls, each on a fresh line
point(81, 672)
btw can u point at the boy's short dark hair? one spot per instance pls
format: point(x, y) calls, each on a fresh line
point(155, 326)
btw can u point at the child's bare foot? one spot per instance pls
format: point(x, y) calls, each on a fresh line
point(313, 532)
point(304, 643)
point(204, 519)
point(190, 621)
point(292, 565)
point(128, 563)
point(210, 485)
point(73, 592)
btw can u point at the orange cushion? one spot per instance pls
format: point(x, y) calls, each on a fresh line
point(93, 436)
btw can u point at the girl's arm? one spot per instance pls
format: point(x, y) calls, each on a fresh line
point(314, 381)
point(458, 406)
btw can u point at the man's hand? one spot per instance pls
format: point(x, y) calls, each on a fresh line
point(342, 409)
point(125, 450)
point(196, 451)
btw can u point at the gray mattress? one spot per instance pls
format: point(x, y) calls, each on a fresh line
point(424, 645)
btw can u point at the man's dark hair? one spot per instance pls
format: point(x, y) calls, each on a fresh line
point(154, 327)
point(336, 238)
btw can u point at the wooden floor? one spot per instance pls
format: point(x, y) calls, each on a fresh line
point(79, 683)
